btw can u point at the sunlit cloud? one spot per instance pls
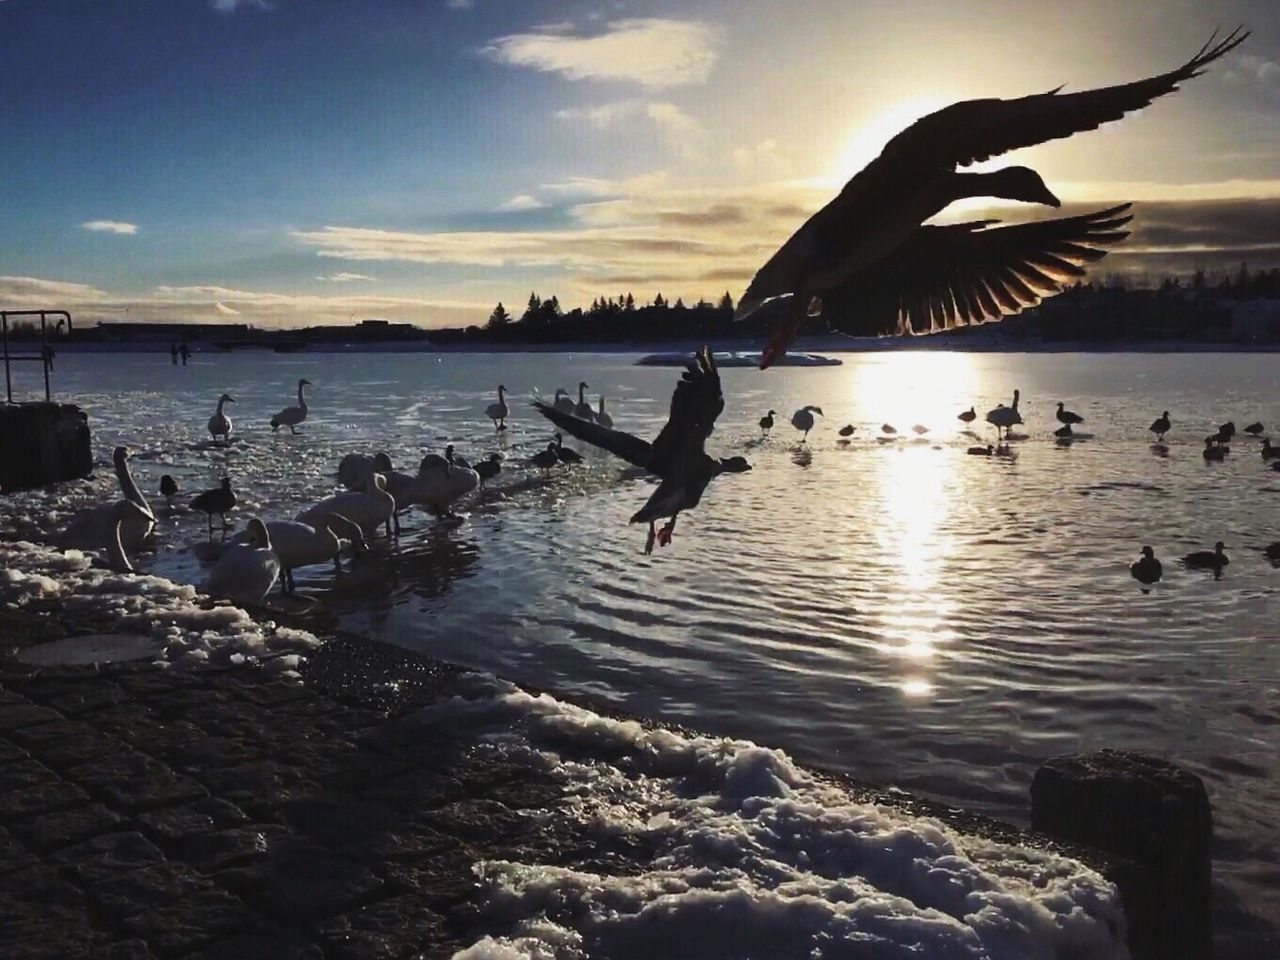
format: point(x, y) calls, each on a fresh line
point(681, 132)
point(168, 303)
point(460, 4)
point(519, 203)
point(345, 277)
point(652, 52)
point(110, 226)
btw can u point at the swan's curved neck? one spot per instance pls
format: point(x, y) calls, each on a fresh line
point(302, 401)
point(116, 557)
point(221, 401)
point(128, 487)
point(581, 391)
point(501, 392)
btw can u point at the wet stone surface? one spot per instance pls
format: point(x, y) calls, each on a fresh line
point(147, 815)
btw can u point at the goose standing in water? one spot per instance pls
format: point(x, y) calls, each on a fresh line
point(498, 412)
point(967, 417)
point(1254, 429)
point(220, 423)
point(246, 572)
point(677, 456)
point(766, 424)
point(94, 528)
point(544, 460)
point(489, 467)
point(1146, 569)
point(865, 263)
point(292, 416)
point(1003, 418)
point(565, 454)
point(562, 401)
point(802, 419)
point(583, 409)
point(603, 418)
point(1160, 426)
point(297, 544)
point(1213, 560)
point(1226, 432)
point(220, 500)
point(1065, 416)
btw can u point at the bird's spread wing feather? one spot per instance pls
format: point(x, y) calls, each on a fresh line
point(976, 130)
point(629, 448)
point(695, 404)
point(968, 273)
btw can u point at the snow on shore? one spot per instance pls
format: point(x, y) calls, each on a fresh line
point(756, 858)
point(186, 632)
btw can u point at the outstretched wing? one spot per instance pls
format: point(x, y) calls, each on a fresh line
point(695, 404)
point(976, 130)
point(629, 448)
point(967, 273)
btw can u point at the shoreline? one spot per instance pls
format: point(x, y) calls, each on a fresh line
point(374, 781)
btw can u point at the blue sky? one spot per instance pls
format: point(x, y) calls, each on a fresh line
point(289, 161)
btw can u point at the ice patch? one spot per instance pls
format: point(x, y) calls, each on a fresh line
point(187, 633)
point(756, 857)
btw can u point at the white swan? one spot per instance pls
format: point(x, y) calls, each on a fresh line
point(124, 511)
point(583, 409)
point(292, 416)
point(437, 486)
point(94, 528)
point(802, 419)
point(220, 423)
point(562, 402)
point(355, 469)
point(297, 544)
point(603, 418)
point(498, 412)
point(246, 572)
point(369, 509)
point(1002, 417)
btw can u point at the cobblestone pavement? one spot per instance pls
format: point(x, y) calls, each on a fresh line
point(230, 814)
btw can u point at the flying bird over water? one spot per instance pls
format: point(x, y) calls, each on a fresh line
point(865, 263)
point(677, 456)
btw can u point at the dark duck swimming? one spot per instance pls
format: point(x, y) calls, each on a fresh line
point(865, 263)
point(677, 456)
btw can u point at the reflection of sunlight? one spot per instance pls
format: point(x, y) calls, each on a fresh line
point(867, 139)
point(905, 389)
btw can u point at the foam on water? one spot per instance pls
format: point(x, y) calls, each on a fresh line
point(756, 857)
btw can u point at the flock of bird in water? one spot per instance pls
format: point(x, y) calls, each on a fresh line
point(376, 494)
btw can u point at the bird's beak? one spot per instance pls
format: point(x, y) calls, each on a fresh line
point(231, 399)
point(1049, 199)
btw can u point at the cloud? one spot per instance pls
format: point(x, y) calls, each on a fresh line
point(1251, 70)
point(166, 303)
point(519, 203)
point(651, 52)
point(460, 4)
point(647, 234)
point(347, 278)
point(110, 226)
point(682, 133)
point(231, 6)
point(603, 116)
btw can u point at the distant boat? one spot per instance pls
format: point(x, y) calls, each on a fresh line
point(737, 358)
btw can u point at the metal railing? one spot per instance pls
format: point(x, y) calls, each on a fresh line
point(44, 357)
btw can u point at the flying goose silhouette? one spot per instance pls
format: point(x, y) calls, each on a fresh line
point(677, 456)
point(865, 263)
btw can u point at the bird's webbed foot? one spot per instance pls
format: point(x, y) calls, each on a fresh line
point(666, 533)
point(648, 543)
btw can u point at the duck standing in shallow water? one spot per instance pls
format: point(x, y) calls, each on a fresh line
point(968, 416)
point(677, 456)
point(1269, 452)
point(566, 454)
point(766, 424)
point(1214, 559)
point(1066, 416)
point(1160, 426)
point(986, 451)
point(220, 423)
point(1213, 450)
point(847, 430)
point(220, 500)
point(867, 264)
point(292, 416)
point(1146, 569)
point(544, 460)
point(802, 419)
point(1254, 429)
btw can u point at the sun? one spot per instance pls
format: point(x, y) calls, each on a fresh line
point(868, 137)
